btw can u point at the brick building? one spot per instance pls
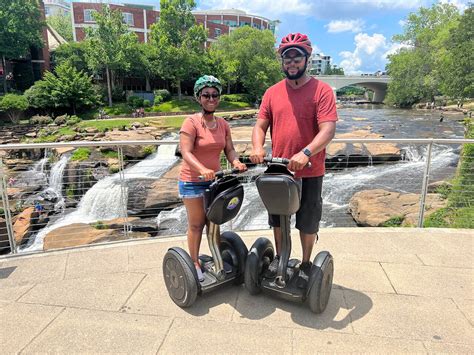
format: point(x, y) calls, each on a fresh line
point(140, 18)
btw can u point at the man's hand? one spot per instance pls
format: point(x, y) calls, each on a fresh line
point(207, 174)
point(298, 161)
point(257, 155)
point(238, 165)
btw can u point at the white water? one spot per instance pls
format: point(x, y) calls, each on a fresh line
point(107, 199)
point(55, 182)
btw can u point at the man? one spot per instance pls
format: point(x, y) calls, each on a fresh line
point(301, 114)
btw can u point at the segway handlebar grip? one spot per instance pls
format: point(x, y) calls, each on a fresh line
point(284, 161)
point(222, 173)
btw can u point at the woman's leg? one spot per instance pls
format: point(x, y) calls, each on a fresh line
point(196, 222)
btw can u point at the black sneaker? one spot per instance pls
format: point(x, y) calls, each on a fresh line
point(272, 268)
point(303, 274)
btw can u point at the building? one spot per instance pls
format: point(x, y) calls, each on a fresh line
point(56, 7)
point(140, 18)
point(319, 63)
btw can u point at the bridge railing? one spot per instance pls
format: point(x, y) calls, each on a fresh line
point(62, 195)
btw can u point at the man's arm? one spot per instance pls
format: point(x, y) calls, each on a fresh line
point(258, 140)
point(326, 133)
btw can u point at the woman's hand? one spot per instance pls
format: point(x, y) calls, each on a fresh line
point(238, 165)
point(207, 174)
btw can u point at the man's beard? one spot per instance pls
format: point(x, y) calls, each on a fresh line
point(296, 76)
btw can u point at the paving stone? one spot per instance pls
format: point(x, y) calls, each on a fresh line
point(151, 297)
point(20, 323)
point(104, 292)
point(309, 341)
point(431, 281)
point(409, 317)
point(195, 336)
point(150, 255)
point(84, 331)
point(96, 261)
point(467, 308)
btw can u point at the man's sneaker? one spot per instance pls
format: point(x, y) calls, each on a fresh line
point(199, 273)
point(272, 268)
point(303, 274)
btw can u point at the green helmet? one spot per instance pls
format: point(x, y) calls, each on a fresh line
point(207, 81)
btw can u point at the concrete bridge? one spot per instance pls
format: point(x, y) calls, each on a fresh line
point(378, 84)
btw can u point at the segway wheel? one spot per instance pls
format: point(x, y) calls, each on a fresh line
point(234, 251)
point(258, 259)
point(320, 282)
point(180, 277)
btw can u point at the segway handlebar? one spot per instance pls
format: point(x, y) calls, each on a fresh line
point(285, 161)
point(221, 173)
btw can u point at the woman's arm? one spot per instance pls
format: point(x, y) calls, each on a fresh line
point(231, 154)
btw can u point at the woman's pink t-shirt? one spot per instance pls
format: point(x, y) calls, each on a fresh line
point(208, 145)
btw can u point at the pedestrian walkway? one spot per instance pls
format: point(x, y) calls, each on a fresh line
point(395, 290)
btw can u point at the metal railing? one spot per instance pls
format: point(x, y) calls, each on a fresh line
point(107, 191)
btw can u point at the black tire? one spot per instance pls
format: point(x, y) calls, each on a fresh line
point(180, 277)
point(320, 282)
point(234, 251)
point(259, 257)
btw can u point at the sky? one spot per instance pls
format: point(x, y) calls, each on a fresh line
point(357, 34)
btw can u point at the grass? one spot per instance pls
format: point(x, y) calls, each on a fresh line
point(81, 154)
point(111, 154)
point(44, 138)
point(105, 125)
point(394, 222)
point(193, 106)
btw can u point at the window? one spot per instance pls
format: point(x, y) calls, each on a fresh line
point(244, 23)
point(230, 23)
point(217, 32)
point(88, 15)
point(127, 18)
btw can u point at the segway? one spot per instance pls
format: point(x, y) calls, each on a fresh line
point(222, 202)
point(281, 195)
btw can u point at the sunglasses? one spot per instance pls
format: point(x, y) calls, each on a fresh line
point(296, 60)
point(208, 96)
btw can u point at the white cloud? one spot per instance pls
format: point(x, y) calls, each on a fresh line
point(337, 26)
point(402, 23)
point(370, 54)
point(460, 4)
point(266, 8)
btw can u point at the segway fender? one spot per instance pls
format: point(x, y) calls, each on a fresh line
point(187, 259)
point(319, 263)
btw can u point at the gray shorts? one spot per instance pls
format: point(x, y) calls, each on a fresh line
point(309, 214)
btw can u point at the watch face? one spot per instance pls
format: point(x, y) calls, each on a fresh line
point(307, 152)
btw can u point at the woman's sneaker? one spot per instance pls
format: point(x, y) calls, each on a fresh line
point(200, 275)
point(272, 268)
point(303, 274)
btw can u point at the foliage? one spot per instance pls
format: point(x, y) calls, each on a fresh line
point(66, 88)
point(165, 94)
point(351, 90)
point(100, 225)
point(119, 109)
point(135, 101)
point(74, 53)
point(111, 46)
point(332, 70)
point(62, 25)
point(81, 154)
point(416, 69)
point(178, 40)
point(193, 106)
point(106, 125)
point(72, 120)
point(13, 105)
point(394, 222)
point(111, 154)
point(148, 149)
point(146, 103)
point(42, 120)
point(236, 98)
point(247, 55)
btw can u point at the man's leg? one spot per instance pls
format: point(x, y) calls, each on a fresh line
point(307, 242)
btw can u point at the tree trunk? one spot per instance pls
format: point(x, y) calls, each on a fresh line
point(178, 85)
point(147, 85)
point(4, 66)
point(109, 89)
point(228, 88)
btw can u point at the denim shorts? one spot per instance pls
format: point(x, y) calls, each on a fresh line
point(192, 189)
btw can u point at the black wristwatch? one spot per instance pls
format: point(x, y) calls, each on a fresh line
point(307, 152)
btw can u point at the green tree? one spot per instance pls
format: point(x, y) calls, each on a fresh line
point(13, 105)
point(179, 42)
point(110, 45)
point(74, 53)
point(67, 88)
point(62, 25)
point(248, 56)
point(457, 68)
point(415, 70)
point(20, 28)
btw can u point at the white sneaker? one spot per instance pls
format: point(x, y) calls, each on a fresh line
point(199, 273)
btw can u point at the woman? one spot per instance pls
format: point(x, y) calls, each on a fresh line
point(203, 137)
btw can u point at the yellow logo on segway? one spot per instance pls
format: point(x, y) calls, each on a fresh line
point(233, 203)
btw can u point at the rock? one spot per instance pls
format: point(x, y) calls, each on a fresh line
point(439, 185)
point(18, 164)
point(117, 223)
point(136, 152)
point(23, 225)
point(73, 235)
point(63, 150)
point(91, 130)
point(31, 134)
point(375, 207)
point(67, 138)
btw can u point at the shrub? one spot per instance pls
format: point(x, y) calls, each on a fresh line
point(146, 103)
point(236, 98)
point(135, 101)
point(100, 225)
point(13, 105)
point(60, 120)
point(148, 149)
point(158, 100)
point(41, 120)
point(81, 154)
point(72, 120)
point(165, 94)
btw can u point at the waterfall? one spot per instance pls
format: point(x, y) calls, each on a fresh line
point(105, 199)
point(55, 183)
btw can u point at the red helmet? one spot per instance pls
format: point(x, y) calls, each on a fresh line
point(297, 40)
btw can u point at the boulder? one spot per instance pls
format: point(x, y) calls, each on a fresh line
point(373, 208)
point(136, 152)
point(23, 225)
point(73, 235)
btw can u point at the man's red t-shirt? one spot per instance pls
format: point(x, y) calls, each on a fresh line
point(294, 116)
